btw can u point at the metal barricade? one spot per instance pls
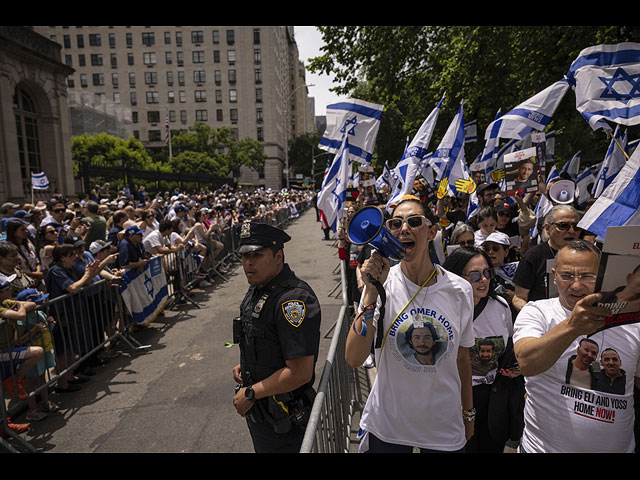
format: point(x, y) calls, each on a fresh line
point(77, 326)
point(329, 427)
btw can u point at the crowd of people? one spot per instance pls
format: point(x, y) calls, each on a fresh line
point(496, 303)
point(49, 249)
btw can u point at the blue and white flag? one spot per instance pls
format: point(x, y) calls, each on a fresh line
point(471, 132)
point(553, 173)
point(333, 195)
point(613, 162)
point(384, 178)
point(572, 167)
point(534, 114)
point(408, 167)
point(145, 293)
point(489, 155)
point(619, 203)
point(605, 81)
point(39, 181)
point(455, 177)
point(357, 119)
point(583, 181)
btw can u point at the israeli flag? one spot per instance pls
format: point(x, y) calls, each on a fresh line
point(488, 157)
point(471, 132)
point(553, 173)
point(357, 119)
point(583, 181)
point(534, 114)
point(333, 194)
point(39, 181)
point(613, 162)
point(451, 151)
point(605, 81)
point(572, 167)
point(427, 170)
point(619, 203)
point(384, 178)
point(145, 293)
point(408, 167)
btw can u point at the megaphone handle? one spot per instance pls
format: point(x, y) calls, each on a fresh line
point(383, 301)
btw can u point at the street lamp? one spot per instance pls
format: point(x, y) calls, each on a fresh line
point(286, 131)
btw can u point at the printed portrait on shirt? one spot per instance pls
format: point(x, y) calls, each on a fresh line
point(422, 342)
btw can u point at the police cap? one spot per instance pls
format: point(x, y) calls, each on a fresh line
point(254, 236)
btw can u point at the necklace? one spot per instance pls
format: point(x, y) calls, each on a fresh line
point(433, 272)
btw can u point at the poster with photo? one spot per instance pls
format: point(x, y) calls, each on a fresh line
point(521, 170)
point(539, 142)
point(619, 275)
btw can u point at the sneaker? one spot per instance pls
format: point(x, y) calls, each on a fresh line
point(16, 427)
point(49, 407)
point(204, 283)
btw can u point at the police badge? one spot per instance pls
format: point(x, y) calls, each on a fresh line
point(294, 311)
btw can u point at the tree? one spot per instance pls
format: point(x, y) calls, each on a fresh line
point(106, 150)
point(409, 68)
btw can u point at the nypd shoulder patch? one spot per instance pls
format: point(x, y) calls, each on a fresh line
point(294, 311)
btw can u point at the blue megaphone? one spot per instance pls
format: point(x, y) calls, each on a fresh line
point(367, 227)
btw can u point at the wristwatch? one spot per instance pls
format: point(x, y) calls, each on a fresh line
point(250, 394)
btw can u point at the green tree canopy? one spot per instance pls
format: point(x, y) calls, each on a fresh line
point(491, 68)
point(106, 150)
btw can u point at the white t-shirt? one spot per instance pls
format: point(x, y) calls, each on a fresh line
point(410, 403)
point(152, 240)
point(493, 324)
point(564, 418)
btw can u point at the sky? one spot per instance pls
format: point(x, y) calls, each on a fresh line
point(309, 41)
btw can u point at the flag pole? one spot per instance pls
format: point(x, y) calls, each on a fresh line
point(616, 140)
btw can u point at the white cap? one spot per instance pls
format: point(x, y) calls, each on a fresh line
point(499, 238)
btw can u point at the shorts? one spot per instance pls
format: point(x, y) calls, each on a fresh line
point(10, 360)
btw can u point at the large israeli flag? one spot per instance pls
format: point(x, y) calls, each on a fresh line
point(471, 131)
point(451, 151)
point(333, 194)
point(613, 162)
point(357, 119)
point(605, 80)
point(408, 167)
point(619, 203)
point(145, 293)
point(489, 155)
point(534, 114)
point(39, 181)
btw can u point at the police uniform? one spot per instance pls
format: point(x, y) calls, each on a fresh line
point(277, 322)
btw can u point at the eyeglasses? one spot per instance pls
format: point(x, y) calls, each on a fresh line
point(492, 248)
point(59, 210)
point(414, 221)
point(50, 231)
point(476, 276)
point(466, 243)
point(565, 226)
point(585, 277)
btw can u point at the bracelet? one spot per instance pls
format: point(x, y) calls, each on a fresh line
point(363, 332)
point(469, 415)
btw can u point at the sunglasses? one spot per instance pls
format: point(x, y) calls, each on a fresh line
point(414, 221)
point(492, 248)
point(59, 210)
point(476, 276)
point(565, 226)
point(466, 243)
point(50, 231)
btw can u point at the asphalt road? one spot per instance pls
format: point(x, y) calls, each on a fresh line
point(177, 397)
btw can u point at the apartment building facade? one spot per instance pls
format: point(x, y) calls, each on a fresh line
point(247, 78)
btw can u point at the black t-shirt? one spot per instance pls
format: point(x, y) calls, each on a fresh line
point(532, 271)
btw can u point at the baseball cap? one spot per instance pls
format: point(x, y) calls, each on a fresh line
point(7, 282)
point(98, 245)
point(133, 230)
point(31, 295)
point(499, 238)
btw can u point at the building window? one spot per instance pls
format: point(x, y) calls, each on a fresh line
point(215, 35)
point(231, 37)
point(114, 79)
point(259, 115)
point(231, 57)
point(167, 58)
point(116, 97)
point(151, 78)
point(179, 39)
point(83, 80)
point(96, 60)
point(218, 96)
point(216, 56)
point(149, 58)
point(200, 96)
point(199, 76)
point(257, 56)
point(68, 60)
point(134, 117)
point(80, 41)
point(183, 117)
point(232, 77)
point(197, 37)
point(153, 117)
point(217, 77)
point(256, 36)
point(132, 79)
point(182, 96)
point(202, 116)
point(114, 60)
point(181, 79)
point(155, 136)
point(26, 116)
point(180, 59)
point(94, 40)
point(98, 79)
point(167, 38)
point(260, 134)
point(130, 59)
point(66, 41)
point(233, 96)
point(129, 39)
point(258, 75)
point(133, 98)
point(152, 97)
point(148, 38)
point(71, 83)
point(197, 56)
point(258, 95)
point(170, 79)
point(219, 115)
point(112, 40)
point(233, 115)
point(171, 97)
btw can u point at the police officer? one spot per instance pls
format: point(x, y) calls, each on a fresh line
point(278, 332)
